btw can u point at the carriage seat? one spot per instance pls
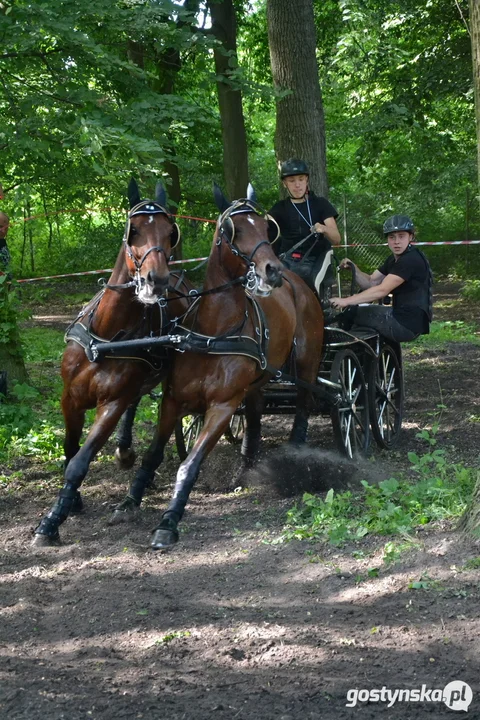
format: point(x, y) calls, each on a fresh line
point(323, 281)
point(325, 276)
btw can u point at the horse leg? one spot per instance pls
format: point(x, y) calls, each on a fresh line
point(252, 437)
point(124, 454)
point(74, 419)
point(127, 509)
point(106, 420)
point(216, 422)
point(298, 434)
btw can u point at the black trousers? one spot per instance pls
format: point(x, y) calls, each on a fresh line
point(308, 269)
point(378, 317)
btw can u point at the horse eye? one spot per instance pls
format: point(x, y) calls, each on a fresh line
point(133, 230)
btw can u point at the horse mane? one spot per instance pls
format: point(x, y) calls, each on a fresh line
point(119, 272)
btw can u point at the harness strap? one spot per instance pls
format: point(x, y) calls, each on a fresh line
point(297, 245)
point(200, 293)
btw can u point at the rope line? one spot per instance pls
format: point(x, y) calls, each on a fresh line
point(99, 272)
point(98, 210)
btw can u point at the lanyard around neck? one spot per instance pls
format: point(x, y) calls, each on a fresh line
point(310, 224)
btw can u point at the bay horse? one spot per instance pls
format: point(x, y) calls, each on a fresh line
point(132, 304)
point(263, 314)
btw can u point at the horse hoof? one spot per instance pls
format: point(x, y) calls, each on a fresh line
point(77, 506)
point(164, 539)
point(122, 516)
point(46, 540)
point(125, 512)
point(125, 459)
point(238, 481)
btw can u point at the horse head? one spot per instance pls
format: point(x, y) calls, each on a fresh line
point(249, 232)
point(150, 236)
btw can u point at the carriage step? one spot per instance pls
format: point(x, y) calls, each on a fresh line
point(337, 336)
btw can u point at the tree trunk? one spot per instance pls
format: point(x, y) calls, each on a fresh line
point(475, 36)
point(470, 522)
point(169, 64)
point(300, 130)
point(12, 364)
point(235, 153)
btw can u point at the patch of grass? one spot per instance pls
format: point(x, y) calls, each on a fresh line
point(31, 424)
point(72, 293)
point(77, 300)
point(425, 582)
point(172, 636)
point(42, 344)
point(472, 564)
point(449, 331)
point(393, 507)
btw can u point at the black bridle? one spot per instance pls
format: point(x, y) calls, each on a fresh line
point(146, 207)
point(242, 207)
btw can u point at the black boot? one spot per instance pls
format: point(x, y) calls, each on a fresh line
point(346, 318)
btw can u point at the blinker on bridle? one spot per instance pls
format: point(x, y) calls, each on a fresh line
point(148, 207)
point(241, 207)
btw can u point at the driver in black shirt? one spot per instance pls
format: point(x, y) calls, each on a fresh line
point(405, 274)
point(304, 215)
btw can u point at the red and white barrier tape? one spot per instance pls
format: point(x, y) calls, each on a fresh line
point(98, 210)
point(200, 259)
point(443, 242)
point(100, 272)
point(450, 242)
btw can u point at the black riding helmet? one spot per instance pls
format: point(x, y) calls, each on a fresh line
point(294, 166)
point(398, 223)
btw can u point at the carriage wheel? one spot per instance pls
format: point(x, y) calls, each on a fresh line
point(236, 430)
point(186, 434)
point(385, 390)
point(350, 418)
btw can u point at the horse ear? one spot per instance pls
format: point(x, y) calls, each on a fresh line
point(220, 199)
point(160, 194)
point(251, 194)
point(133, 193)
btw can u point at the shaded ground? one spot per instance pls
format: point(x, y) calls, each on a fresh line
point(230, 624)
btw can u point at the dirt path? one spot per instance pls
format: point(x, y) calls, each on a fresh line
point(231, 624)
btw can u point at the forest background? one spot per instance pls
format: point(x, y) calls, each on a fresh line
point(93, 92)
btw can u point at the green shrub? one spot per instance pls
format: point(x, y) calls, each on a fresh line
point(471, 290)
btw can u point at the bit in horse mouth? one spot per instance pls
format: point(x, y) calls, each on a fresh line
point(263, 288)
point(148, 296)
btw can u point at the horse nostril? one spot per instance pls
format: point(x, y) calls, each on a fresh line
point(274, 274)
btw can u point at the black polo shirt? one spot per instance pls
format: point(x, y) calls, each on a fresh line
point(294, 222)
point(411, 298)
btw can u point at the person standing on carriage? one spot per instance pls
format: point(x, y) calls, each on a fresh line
point(406, 275)
point(304, 215)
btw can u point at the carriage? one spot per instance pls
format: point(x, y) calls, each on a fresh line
point(360, 386)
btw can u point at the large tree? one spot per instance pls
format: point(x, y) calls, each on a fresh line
point(470, 522)
point(235, 155)
point(475, 36)
point(300, 128)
